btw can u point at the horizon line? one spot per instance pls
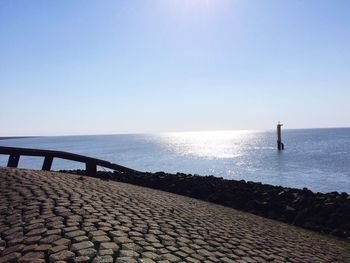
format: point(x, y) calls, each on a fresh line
point(165, 132)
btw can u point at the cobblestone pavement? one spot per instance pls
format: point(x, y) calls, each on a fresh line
point(47, 216)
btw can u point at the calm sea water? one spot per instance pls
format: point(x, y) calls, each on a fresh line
point(318, 159)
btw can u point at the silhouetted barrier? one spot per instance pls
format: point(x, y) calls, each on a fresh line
point(90, 163)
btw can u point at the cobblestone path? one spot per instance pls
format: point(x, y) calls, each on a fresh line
point(50, 217)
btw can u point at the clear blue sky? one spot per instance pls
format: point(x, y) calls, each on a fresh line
point(94, 67)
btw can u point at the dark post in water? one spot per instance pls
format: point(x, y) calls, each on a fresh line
point(280, 145)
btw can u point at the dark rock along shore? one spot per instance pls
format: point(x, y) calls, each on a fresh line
point(55, 217)
point(322, 212)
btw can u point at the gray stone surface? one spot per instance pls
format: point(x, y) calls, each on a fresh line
point(47, 216)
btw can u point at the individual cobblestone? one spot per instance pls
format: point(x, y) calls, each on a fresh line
point(89, 252)
point(82, 259)
point(62, 255)
point(53, 217)
point(81, 245)
point(103, 259)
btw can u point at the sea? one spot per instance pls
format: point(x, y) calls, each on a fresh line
point(318, 159)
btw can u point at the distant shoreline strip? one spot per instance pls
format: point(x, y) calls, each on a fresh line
point(16, 137)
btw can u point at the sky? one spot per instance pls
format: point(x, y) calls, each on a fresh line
point(106, 67)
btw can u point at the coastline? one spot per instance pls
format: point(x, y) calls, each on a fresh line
point(16, 137)
point(327, 213)
point(54, 217)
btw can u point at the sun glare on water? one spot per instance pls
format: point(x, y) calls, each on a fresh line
point(209, 144)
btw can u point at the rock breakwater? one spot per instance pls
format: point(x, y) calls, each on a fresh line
point(322, 212)
point(54, 217)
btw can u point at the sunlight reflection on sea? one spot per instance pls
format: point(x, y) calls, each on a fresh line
point(315, 158)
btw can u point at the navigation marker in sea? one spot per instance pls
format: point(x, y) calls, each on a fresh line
point(280, 145)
